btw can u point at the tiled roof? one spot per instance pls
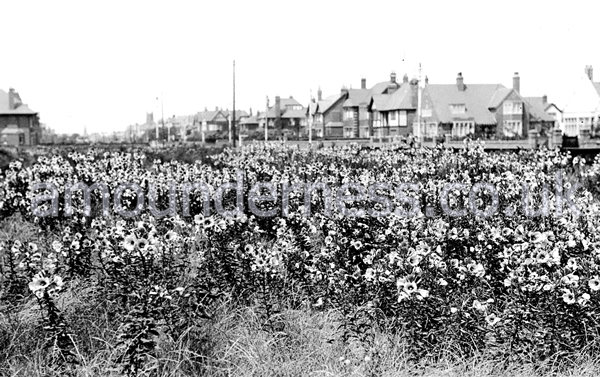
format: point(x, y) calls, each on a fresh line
point(399, 100)
point(207, 115)
point(326, 104)
point(499, 96)
point(294, 113)
point(357, 97)
point(12, 131)
point(288, 102)
point(537, 108)
point(477, 99)
point(381, 87)
point(20, 110)
point(251, 120)
point(238, 113)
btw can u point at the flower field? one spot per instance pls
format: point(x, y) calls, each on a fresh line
point(519, 285)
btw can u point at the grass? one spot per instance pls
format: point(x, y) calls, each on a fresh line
point(235, 342)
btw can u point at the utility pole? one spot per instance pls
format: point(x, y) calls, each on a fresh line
point(266, 120)
point(162, 111)
point(233, 119)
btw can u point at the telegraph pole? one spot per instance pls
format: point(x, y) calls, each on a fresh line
point(233, 120)
point(162, 111)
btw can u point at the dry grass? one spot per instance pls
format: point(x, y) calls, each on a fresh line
point(235, 343)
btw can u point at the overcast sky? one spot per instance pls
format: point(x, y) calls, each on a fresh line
point(103, 64)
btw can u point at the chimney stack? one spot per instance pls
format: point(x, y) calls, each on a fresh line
point(393, 77)
point(363, 83)
point(517, 82)
point(460, 84)
point(589, 72)
point(319, 94)
point(277, 109)
point(405, 78)
point(344, 90)
point(544, 99)
point(414, 86)
point(11, 98)
point(426, 80)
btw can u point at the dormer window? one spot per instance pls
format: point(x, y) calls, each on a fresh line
point(459, 108)
point(513, 108)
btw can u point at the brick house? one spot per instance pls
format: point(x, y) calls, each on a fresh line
point(327, 115)
point(488, 111)
point(19, 125)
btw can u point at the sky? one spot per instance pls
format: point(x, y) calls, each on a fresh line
point(103, 64)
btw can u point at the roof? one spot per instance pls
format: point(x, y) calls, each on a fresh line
point(294, 113)
point(251, 120)
point(537, 108)
point(21, 109)
point(399, 99)
point(477, 98)
point(288, 102)
point(207, 115)
point(381, 87)
point(238, 113)
point(357, 97)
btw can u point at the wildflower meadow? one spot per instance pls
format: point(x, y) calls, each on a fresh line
point(247, 275)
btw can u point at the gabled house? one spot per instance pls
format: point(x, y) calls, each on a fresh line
point(393, 107)
point(19, 125)
point(581, 113)
point(211, 120)
point(356, 118)
point(543, 116)
point(326, 114)
point(488, 111)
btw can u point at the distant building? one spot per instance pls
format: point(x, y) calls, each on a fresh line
point(543, 116)
point(488, 111)
point(19, 125)
point(287, 116)
point(393, 107)
point(581, 113)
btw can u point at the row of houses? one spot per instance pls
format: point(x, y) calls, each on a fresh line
point(408, 107)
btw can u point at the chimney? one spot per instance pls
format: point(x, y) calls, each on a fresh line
point(393, 77)
point(205, 108)
point(277, 107)
point(460, 84)
point(405, 79)
point(250, 111)
point(589, 72)
point(216, 108)
point(414, 86)
point(319, 94)
point(426, 80)
point(544, 99)
point(344, 90)
point(363, 83)
point(11, 98)
point(517, 82)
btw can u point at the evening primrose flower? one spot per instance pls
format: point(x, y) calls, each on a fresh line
point(583, 299)
point(492, 319)
point(568, 296)
point(479, 306)
point(129, 242)
point(414, 260)
point(142, 243)
point(594, 283)
point(39, 283)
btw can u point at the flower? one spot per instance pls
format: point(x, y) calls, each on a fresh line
point(38, 283)
point(568, 296)
point(170, 236)
point(583, 299)
point(129, 242)
point(369, 274)
point(492, 319)
point(594, 283)
point(414, 260)
point(142, 243)
point(479, 306)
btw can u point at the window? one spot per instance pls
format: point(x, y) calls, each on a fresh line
point(461, 129)
point(426, 113)
point(348, 114)
point(403, 119)
point(512, 128)
point(392, 115)
point(21, 139)
point(458, 108)
point(513, 108)
point(432, 129)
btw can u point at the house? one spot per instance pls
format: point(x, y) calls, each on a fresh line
point(19, 125)
point(543, 116)
point(251, 122)
point(356, 118)
point(580, 114)
point(211, 120)
point(287, 116)
point(393, 107)
point(326, 114)
point(488, 111)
